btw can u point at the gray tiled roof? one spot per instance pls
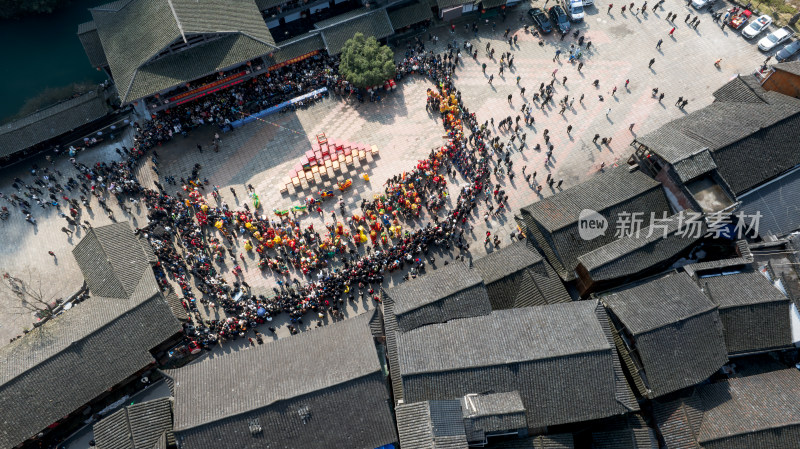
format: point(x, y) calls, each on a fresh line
point(371, 24)
point(341, 18)
point(453, 291)
point(90, 39)
point(392, 331)
point(51, 122)
point(556, 441)
point(755, 314)
point(112, 260)
point(792, 67)
point(187, 65)
point(431, 425)
point(134, 31)
point(750, 133)
point(679, 420)
point(630, 255)
point(626, 432)
point(491, 3)
point(138, 426)
point(298, 46)
point(553, 221)
point(546, 353)
point(453, 423)
point(443, 4)
point(176, 306)
point(267, 4)
point(89, 349)
point(755, 411)
point(694, 165)
point(311, 391)
point(676, 330)
point(410, 14)
point(741, 90)
point(497, 412)
point(777, 204)
point(518, 276)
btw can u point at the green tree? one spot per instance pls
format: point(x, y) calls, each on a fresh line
point(365, 62)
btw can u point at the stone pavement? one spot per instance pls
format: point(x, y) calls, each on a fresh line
point(263, 152)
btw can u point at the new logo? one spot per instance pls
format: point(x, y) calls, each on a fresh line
point(591, 224)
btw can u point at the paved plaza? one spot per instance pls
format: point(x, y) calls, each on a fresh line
point(262, 153)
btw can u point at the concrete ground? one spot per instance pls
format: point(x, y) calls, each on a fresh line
point(263, 152)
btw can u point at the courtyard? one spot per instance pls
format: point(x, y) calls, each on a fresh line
point(263, 153)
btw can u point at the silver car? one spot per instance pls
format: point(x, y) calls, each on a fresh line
point(788, 51)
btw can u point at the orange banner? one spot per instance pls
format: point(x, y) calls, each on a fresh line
point(293, 60)
point(207, 86)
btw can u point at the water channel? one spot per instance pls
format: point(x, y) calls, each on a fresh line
point(43, 52)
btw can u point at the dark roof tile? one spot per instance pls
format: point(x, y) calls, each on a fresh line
point(371, 24)
point(553, 222)
point(676, 330)
point(51, 122)
point(295, 403)
point(543, 352)
point(410, 14)
point(138, 426)
point(451, 292)
point(633, 254)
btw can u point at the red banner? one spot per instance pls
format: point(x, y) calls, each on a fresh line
point(207, 86)
point(208, 92)
point(293, 60)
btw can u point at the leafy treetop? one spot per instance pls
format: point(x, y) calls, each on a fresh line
point(365, 62)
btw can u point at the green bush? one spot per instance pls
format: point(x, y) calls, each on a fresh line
point(365, 62)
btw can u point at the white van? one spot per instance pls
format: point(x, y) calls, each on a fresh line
point(574, 9)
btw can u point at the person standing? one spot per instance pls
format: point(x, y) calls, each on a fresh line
point(630, 128)
point(672, 32)
point(652, 61)
point(679, 101)
point(596, 136)
point(658, 45)
point(610, 5)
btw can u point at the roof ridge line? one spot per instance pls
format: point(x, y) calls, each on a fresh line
point(101, 7)
point(274, 46)
point(263, 406)
point(51, 356)
point(609, 348)
point(366, 13)
point(83, 97)
point(177, 20)
point(713, 307)
point(629, 198)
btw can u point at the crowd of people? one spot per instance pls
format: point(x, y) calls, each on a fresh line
point(238, 101)
point(195, 238)
point(346, 260)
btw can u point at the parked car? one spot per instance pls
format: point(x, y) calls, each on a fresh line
point(540, 20)
point(738, 18)
point(588, 3)
point(574, 9)
point(775, 38)
point(702, 4)
point(559, 17)
point(788, 51)
point(757, 26)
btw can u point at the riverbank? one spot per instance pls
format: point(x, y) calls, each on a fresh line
point(46, 54)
